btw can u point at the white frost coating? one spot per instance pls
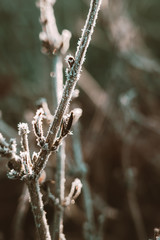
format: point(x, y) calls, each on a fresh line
point(39, 112)
point(38, 118)
point(38, 127)
point(23, 128)
point(23, 155)
point(87, 32)
point(26, 162)
point(13, 145)
point(12, 174)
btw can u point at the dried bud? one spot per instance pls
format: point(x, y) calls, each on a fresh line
point(74, 192)
point(75, 94)
point(66, 36)
point(70, 60)
point(67, 124)
point(34, 157)
point(23, 128)
point(37, 123)
point(77, 113)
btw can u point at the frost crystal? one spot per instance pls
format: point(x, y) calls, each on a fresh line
point(23, 128)
point(12, 174)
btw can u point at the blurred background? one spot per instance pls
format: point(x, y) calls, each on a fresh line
point(120, 98)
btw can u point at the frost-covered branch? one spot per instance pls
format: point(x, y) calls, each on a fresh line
point(21, 167)
point(38, 211)
point(74, 69)
point(28, 168)
point(72, 75)
point(38, 128)
point(57, 88)
point(89, 226)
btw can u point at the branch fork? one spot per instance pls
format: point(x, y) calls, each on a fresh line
point(27, 168)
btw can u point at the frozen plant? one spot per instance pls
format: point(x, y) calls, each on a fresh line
point(29, 167)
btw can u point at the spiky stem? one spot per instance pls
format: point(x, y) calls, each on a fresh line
point(38, 211)
point(72, 75)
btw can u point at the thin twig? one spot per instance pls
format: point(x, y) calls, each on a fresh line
point(38, 211)
point(57, 88)
point(89, 226)
point(72, 75)
point(57, 80)
point(58, 44)
point(74, 192)
point(50, 36)
point(42, 103)
point(60, 181)
point(22, 167)
point(33, 185)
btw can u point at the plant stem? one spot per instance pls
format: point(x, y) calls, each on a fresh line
point(38, 211)
point(57, 88)
point(57, 80)
point(74, 73)
point(89, 226)
point(86, 35)
point(60, 186)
